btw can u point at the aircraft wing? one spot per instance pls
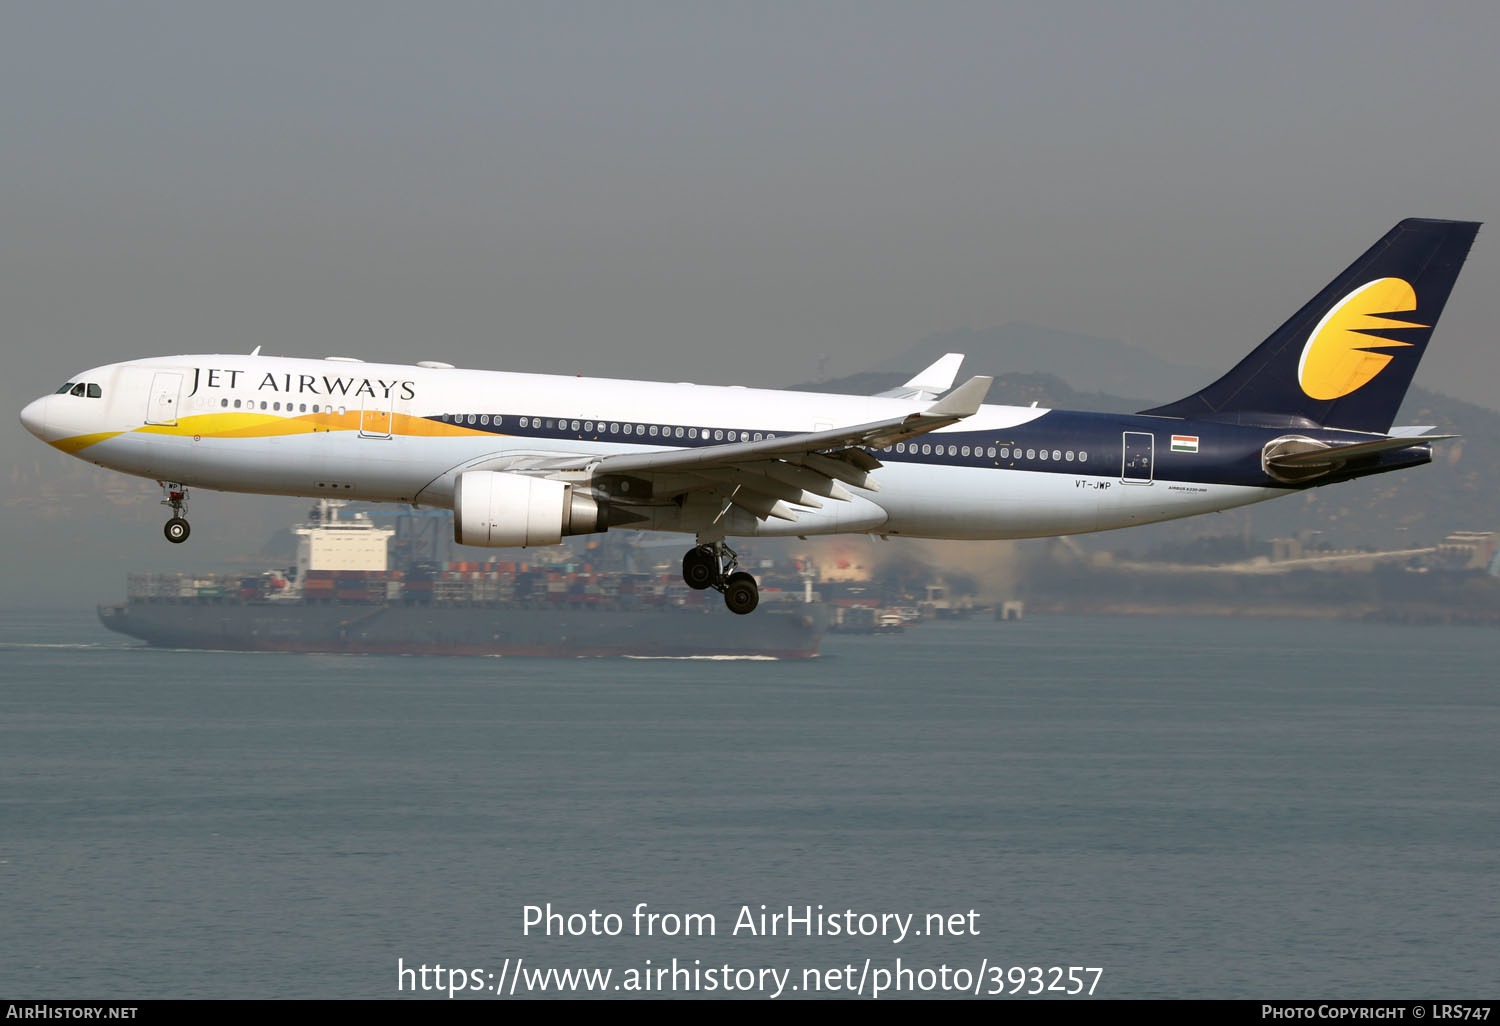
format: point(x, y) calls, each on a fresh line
point(930, 383)
point(768, 476)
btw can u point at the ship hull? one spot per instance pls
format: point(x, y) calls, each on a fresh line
point(792, 632)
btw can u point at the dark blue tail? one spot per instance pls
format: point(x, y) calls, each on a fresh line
point(1346, 359)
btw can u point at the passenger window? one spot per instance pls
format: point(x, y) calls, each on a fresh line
point(236, 404)
point(95, 392)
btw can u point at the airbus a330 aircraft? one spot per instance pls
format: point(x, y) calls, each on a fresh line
point(524, 459)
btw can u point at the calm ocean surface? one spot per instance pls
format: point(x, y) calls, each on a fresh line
point(1206, 808)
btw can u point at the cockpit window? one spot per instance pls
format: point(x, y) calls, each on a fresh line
point(95, 392)
point(66, 388)
point(78, 389)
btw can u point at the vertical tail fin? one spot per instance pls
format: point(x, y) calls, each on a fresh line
point(1346, 359)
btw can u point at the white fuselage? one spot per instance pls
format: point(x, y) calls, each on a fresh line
point(393, 433)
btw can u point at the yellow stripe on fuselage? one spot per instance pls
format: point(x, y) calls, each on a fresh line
point(77, 442)
point(245, 424)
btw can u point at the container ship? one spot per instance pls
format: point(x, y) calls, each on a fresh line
point(342, 595)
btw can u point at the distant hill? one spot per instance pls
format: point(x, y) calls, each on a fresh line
point(1087, 364)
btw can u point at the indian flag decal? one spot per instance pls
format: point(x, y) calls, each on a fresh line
point(1184, 443)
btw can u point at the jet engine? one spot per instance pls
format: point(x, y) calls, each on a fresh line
point(501, 510)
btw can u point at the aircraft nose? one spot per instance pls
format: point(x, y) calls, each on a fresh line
point(34, 417)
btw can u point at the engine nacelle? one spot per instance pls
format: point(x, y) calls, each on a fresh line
point(501, 510)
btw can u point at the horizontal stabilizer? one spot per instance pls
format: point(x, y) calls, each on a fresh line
point(1336, 455)
point(1295, 458)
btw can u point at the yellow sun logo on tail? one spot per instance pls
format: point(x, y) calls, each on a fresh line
point(1337, 359)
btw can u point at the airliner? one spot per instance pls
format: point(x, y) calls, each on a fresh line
point(525, 459)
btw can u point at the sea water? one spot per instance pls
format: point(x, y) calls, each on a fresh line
point(1197, 807)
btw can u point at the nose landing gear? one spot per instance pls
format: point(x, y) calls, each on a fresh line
point(713, 566)
point(176, 529)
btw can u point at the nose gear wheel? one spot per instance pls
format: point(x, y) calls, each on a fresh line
point(176, 529)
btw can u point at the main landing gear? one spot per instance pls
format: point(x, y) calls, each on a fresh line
point(176, 529)
point(713, 566)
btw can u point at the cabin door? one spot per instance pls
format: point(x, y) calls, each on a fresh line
point(1136, 464)
point(375, 417)
point(166, 392)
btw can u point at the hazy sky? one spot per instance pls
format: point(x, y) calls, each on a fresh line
point(721, 192)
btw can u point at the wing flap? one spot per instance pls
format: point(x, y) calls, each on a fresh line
point(762, 506)
point(761, 484)
point(801, 477)
point(839, 470)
